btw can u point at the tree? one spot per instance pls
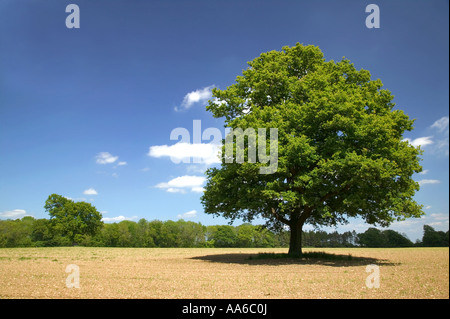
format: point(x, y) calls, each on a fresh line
point(145, 238)
point(433, 238)
point(372, 237)
point(16, 233)
point(42, 233)
point(245, 235)
point(72, 219)
point(395, 239)
point(222, 235)
point(341, 151)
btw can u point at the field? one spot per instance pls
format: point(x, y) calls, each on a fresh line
point(220, 273)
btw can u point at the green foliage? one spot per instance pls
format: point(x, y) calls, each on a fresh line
point(387, 238)
point(30, 232)
point(432, 238)
point(16, 233)
point(340, 148)
point(72, 220)
point(321, 238)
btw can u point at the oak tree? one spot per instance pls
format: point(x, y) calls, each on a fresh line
point(73, 220)
point(341, 151)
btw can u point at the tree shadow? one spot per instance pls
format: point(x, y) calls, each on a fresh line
point(256, 260)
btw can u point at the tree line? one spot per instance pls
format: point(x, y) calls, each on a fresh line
point(31, 232)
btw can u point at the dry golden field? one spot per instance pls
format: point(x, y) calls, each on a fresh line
point(220, 273)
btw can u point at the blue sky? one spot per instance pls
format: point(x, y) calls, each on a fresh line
point(87, 113)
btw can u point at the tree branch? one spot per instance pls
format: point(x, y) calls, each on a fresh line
point(279, 217)
point(335, 193)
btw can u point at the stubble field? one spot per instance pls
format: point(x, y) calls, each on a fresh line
point(220, 273)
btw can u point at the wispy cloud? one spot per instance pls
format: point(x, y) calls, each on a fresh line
point(420, 141)
point(441, 127)
point(13, 214)
point(90, 191)
point(202, 153)
point(194, 97)
point(189, 214)
point(197, 189)
point(439, 139)
point(105, 158)
point(428, 181)
point(117, 219)
point(182, 184)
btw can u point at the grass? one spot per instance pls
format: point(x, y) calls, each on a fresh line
point(320, 255)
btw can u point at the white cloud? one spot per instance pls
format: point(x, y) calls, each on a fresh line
point(441, 125)
point(420, 141)
point(409, 223)
point(117, 219)
point(197, 189)
point(439, 216)
point(440, 139)
point(173, 190)
point(189, 214)
point(105, 158)
point(202, 153)
point(197, 96)
point(183, 183)
point(439, 220)
point(90, 191)
point(425, 171)
point(443, 146)
point(428, 181)
point(122, 163)
point(13, 214)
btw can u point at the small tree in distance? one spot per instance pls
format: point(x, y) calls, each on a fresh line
point(73, 219)
point(341, 151)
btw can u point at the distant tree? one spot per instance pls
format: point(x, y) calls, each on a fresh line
point(110, 235)
point(16, 233)
point(223, 236)
point(170, 234)
point(144, 233)
point(155, 231)
point(72, 220)
point(263, 237)
point(349, 239)
point(433, 238)
point(372, 237)
point(127, 233)
point(42, 233)
point(341, 150)
point(245, 235)
point(395, 239)
point(191, 234)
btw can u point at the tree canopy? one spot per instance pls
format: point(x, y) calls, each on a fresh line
point(72, 220)
point(341, 151)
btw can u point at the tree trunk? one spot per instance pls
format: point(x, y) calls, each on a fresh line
point(295, 243)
